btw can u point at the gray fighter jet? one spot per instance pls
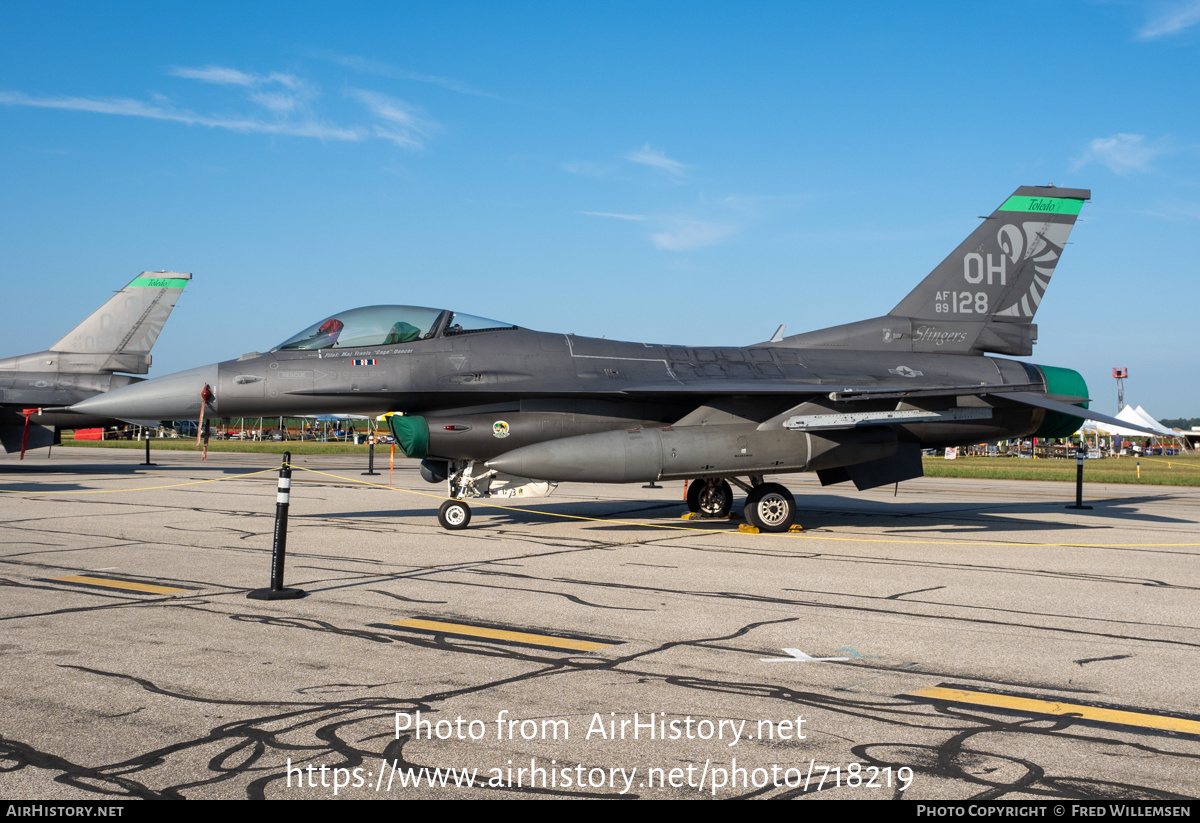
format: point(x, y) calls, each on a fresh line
point(117, 337)
point(494, 409)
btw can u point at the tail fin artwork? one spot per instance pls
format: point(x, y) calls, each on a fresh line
point(983, 296)
point(118, 336)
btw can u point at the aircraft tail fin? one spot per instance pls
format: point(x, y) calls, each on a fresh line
point(118, 336)
point(1001, 270)
point(981, 298)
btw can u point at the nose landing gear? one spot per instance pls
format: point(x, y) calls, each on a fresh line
point(454, 515)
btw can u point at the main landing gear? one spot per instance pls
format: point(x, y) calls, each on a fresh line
point(769, 507)
point(711, 497)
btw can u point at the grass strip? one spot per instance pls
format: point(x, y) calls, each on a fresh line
point(1181, 470)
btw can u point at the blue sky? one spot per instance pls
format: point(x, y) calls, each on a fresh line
point(672, 172)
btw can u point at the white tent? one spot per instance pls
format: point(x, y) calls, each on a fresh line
point(1149, 422)
point(1129, 414)
point(1138, 417)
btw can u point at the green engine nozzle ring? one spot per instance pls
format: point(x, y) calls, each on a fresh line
point(1066, 382)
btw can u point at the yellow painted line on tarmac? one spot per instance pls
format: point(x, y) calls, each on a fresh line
point(1096, 714)
point(967, 543)
point(507, 635)
point(128, 585)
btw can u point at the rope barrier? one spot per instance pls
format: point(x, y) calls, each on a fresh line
point(1180, 466)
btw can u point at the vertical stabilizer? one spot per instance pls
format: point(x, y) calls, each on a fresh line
point(1003, 268)
point(982, 297)
point(126, 327)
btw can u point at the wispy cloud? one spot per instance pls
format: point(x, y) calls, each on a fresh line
point(215, 74)
point(656, 159)
point(127, 107)
point(402, 124)
point(224, 76)
point(586, 168)
point(613, 215)
point(1174, 210)
point(396, 73)
point(673, 233)
point(279, 103)
point(685, 235)
point(1171, 19)
point(1121, 153)
point(279, 93)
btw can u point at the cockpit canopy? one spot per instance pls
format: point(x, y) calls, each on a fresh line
point(387, 325)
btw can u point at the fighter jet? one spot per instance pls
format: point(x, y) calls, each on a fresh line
point(117, 337)
point(494, 409)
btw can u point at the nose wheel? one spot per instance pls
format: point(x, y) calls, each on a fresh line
point(770, 507)
point(454, 515)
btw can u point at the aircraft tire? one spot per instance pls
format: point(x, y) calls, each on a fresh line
point(717, 504)
point(770, 508)
point(748, 514)
point(454, 515)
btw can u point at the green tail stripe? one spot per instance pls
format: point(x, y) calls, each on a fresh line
point(1043, 205)
point(159, 282)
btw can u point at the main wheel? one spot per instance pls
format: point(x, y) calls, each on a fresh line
point(454, 515)
point(710, 501)
point(770, 508)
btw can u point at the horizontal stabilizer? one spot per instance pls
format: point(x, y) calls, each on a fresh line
point(1074, 411)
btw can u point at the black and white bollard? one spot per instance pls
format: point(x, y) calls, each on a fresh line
point(1079, 453)
point(147, 463)
point(371, 456)
point(279, 547)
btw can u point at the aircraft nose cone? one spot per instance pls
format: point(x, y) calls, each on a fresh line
point(174, 397)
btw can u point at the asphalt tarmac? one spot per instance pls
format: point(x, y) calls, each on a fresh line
point(949, 639)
